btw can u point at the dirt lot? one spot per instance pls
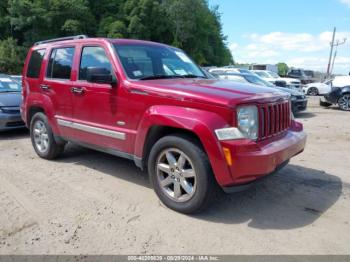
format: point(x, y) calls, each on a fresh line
point(90, 202)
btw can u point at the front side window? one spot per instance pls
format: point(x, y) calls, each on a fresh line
point(60, 63)
point(35, 62)
point(93, 56)
point(152, 62)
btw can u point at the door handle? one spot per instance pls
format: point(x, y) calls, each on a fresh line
point(78, 90)
point(45, 87)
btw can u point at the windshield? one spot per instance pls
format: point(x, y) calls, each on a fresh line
point(257, 80)
point(233, 77)
point(273, 74)
point(262, 74)
point(7, 85)
point(154, 62)
point(244, 71)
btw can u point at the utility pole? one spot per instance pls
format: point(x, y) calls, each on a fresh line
point(331, 53)
point(335, 55)
point(338, 43)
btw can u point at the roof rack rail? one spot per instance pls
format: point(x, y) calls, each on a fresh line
point(61, 39)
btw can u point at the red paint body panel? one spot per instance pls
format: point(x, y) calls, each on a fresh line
point(199, 106)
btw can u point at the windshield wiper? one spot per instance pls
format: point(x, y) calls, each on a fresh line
point(160, 77)
point(192, 76)
point(10, 91)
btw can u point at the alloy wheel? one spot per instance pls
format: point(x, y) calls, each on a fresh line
point(41, 136)
point(313, 91)
point(344, 102)
point(176, 175)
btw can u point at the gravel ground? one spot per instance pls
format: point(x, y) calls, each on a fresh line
point(88, 202)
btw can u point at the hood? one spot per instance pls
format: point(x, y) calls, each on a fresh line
point(316, 84)
point(269, 79)
point(10, 99)
point(293, 92)
point(215, 91)
point(287, 79)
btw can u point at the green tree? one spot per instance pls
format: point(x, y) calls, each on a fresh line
point(197, 29)
point(11, 56)
point(117, 29)
point(282, 69)
point(35, 20)
point(190, 25)
point(147, 20)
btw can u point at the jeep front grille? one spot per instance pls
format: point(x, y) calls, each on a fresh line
point(274, 119)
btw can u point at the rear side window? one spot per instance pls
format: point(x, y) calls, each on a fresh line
point(93, 56)
point(60, 63)
point(35, 62)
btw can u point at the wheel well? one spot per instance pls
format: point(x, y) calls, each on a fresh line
point(32, 111)
point(157, 132)
point(343, 94)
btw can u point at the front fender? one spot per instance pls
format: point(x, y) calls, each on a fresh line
point(345, 90)
point(200, 122)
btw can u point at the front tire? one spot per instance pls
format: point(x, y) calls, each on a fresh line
point(42, 138)
point(181, 174)
point(313, 91)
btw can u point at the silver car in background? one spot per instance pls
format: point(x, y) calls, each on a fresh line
point(10, 101)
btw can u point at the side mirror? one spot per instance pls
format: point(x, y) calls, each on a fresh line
point(99, 75)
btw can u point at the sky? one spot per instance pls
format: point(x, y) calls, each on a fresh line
point(297, 32)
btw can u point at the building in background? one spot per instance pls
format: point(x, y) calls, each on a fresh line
point(267, 67)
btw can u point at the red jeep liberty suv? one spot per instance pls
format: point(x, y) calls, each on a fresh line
point(151, 103)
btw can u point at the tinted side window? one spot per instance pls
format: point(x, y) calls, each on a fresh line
point(35, 62)
point(93, 56)
point(60, 63)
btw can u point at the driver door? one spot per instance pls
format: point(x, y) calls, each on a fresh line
point(99, 109)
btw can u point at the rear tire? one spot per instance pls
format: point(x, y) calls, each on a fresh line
point(42, 138)
point(344, 102)
point(181, 174)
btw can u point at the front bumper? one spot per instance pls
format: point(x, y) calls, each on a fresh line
point(243, 187)
point(299, 105)
point(10, 121)
point(252, 160)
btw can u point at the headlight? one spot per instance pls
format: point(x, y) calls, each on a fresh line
point(293, 98)
point(247, 121)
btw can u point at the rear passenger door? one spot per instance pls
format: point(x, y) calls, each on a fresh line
point(31, 78)
point(57, 85)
